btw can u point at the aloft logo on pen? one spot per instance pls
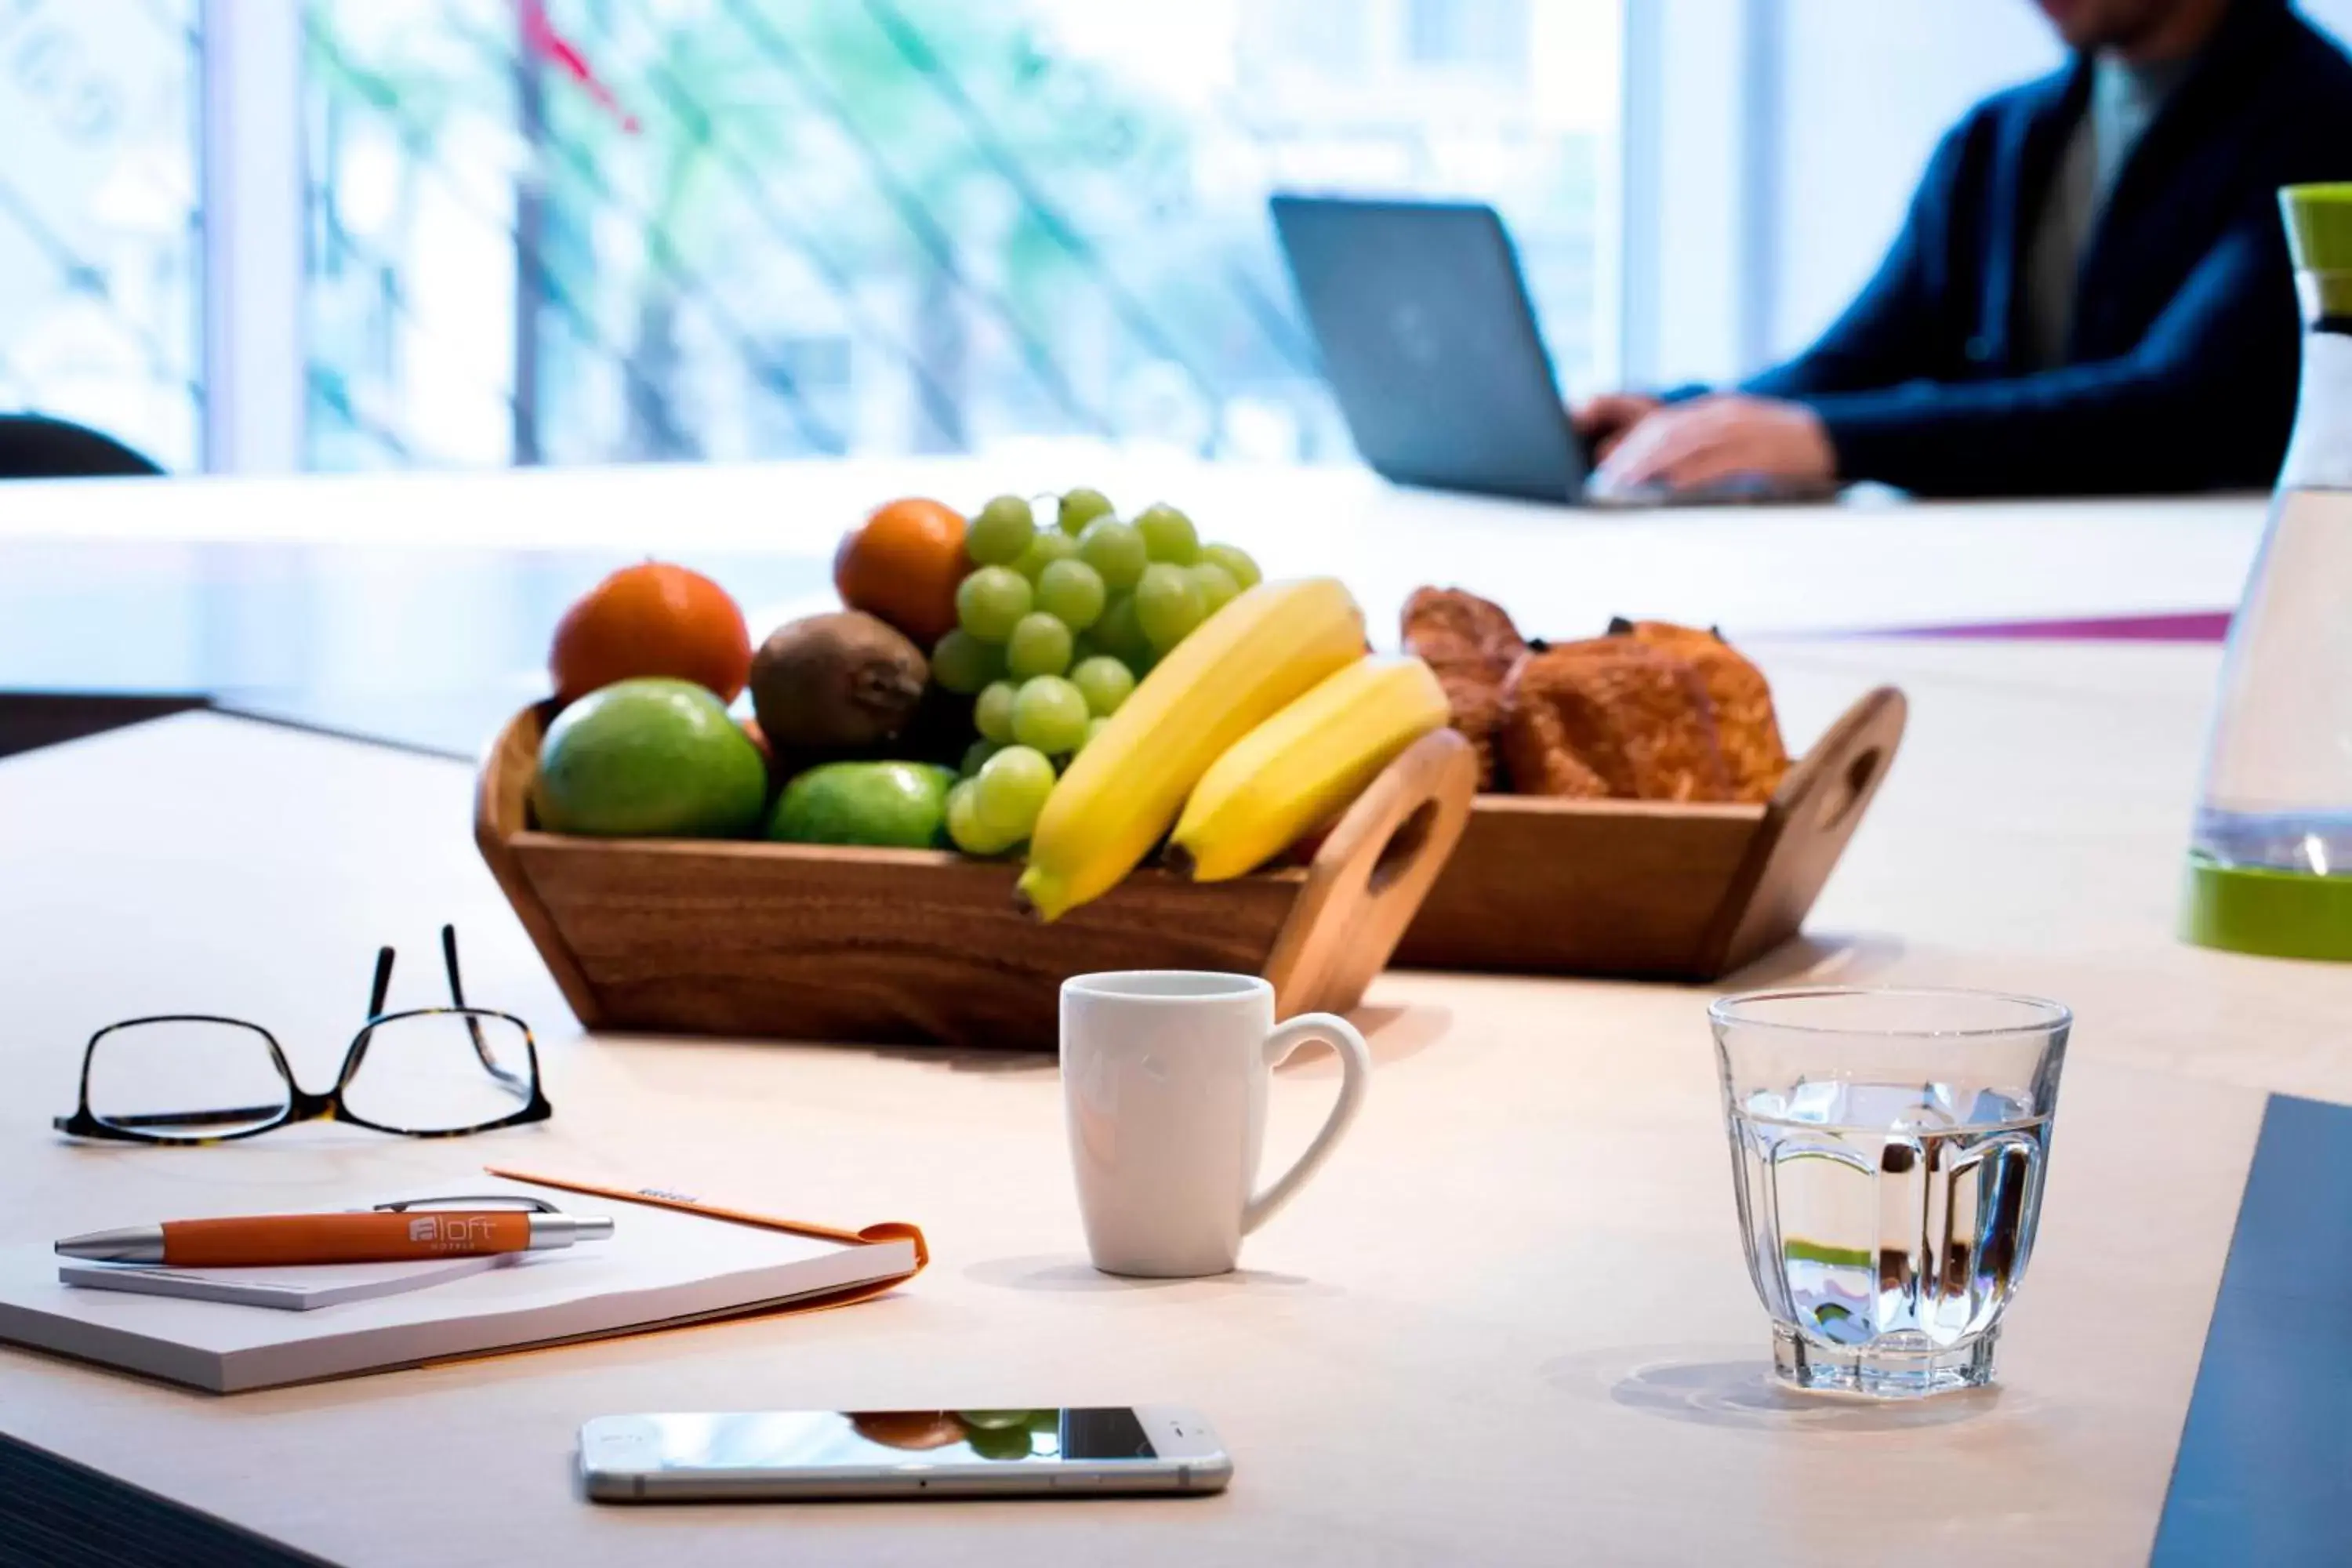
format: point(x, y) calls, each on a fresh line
point(453, 1231)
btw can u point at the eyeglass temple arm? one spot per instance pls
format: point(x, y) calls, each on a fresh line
point(449, 961)
point(383, 990)
point(458, 999)
point(382, 987)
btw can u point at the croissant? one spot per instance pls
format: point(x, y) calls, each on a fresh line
point(1472, 644)
point(1744, 722)
point(1613, 716)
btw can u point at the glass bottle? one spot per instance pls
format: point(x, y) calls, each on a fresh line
point(2270, 863)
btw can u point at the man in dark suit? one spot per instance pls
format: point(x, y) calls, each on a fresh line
point(2090, 292)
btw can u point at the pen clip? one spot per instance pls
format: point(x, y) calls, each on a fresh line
point(487, 1200)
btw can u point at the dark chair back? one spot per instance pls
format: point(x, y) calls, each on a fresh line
point(35, 446)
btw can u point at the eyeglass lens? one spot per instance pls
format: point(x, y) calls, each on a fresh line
point(440, 1072)
point(185, 1078)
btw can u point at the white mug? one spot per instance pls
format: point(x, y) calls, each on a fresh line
point(1164, 1078)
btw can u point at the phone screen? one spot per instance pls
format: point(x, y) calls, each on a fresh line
point(800, 1439)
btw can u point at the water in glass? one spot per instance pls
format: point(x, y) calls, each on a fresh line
point(1885, 1217)
point(1887, 1156)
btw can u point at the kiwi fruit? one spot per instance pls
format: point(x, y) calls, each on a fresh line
point(828, 684)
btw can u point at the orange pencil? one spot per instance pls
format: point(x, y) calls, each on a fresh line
point(303, 1238)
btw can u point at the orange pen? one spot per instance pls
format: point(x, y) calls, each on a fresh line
point(376, 1236)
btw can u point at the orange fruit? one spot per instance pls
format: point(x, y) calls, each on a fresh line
point(651, 620)
point(902, 565)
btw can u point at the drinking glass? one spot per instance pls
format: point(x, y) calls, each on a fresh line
point(1888, 1152)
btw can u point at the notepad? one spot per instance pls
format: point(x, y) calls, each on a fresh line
point(663, 1266)
point(288, 1288)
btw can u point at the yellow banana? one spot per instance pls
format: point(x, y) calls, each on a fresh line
point(1303, 766)
point(1241, 665)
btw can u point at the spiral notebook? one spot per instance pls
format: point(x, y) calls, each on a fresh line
point(671, 1260)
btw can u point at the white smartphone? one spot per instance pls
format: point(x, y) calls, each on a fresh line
point(820, 1454)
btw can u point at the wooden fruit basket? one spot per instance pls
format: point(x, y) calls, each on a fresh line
point(1643, 889)
point(803, 942)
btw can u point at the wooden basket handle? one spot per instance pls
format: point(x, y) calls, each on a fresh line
point(501, 810)
point(1367, 880)
point(1804, 831)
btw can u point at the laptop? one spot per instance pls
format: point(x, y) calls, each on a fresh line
point(1430, 345)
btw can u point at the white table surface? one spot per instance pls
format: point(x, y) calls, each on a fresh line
point(1510, 1323)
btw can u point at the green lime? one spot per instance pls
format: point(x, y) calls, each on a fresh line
point(899, 806)
point(649, 758)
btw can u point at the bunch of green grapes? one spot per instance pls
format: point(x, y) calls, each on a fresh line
point(1055, 622)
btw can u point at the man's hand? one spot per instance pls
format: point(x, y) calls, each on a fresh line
point(1601, 423)
point(1711, 439)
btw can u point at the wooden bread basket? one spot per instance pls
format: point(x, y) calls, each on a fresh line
point(1647, 888)
point(813, 943)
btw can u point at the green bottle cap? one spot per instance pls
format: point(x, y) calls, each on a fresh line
point(2318, 227)
point(2280, 914)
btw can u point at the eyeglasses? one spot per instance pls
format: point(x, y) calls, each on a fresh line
point(429, 1072)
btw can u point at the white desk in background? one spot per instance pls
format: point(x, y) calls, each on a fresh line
point(418, 606)
point(1752, 569)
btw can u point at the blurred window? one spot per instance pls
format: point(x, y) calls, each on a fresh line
point(101, 284)
point(592, 230)
point(1487, 35)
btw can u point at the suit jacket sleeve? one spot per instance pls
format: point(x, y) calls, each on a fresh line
point(2198, 403)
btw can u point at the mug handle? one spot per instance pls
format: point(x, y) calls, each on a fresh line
point(1355, 1075)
